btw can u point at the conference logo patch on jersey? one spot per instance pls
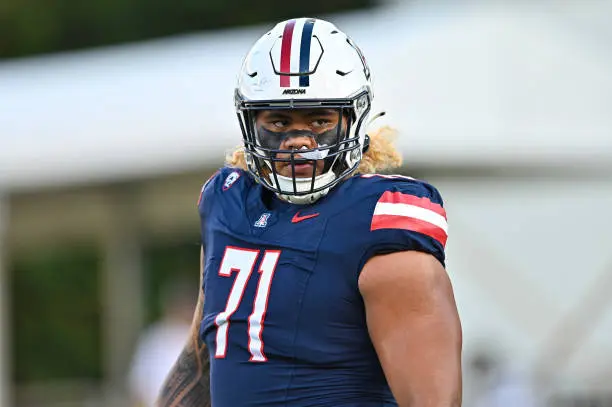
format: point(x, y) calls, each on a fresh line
point(230, 180)
point(262, 222)
point(395, 210)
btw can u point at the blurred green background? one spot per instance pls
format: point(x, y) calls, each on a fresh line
point(35, 26)
point(57, 306)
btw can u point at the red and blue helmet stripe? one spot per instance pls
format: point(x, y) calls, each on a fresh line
point(304, 53)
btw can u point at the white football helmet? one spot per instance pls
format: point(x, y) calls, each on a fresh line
point(305, 63)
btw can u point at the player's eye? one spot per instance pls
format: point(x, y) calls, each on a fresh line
point(279, 124)
point(320, 123)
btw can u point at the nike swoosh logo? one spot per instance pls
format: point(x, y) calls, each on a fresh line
point(297, 218)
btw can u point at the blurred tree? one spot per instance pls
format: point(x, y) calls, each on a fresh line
point(163, 263)
point(57, 306)
point(56, 315)
point(35, 26)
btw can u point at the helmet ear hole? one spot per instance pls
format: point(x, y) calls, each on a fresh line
point(366, 144)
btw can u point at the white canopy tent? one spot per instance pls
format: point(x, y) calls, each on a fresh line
point(468, 85)
point(474, 85)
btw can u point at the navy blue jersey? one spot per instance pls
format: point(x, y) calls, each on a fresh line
point(283, 318)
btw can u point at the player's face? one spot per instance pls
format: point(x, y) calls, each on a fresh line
point(298, 129)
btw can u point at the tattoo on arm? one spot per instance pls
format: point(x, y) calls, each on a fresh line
point(188, 384)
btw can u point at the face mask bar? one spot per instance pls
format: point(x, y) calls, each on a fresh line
point(262, 160)
point(329, 154)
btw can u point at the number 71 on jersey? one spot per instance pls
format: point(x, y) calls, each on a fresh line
point(242, 262)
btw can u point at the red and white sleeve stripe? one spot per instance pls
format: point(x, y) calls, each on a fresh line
point(395, 210)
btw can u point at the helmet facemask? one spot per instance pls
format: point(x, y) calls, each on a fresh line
point(304, 63)
point(338, 149)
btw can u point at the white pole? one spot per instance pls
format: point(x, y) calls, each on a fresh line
point(123, 308)
point(5, 362)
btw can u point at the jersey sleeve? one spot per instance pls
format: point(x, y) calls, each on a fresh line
point(203, 190)
point(205, 200)
point(212, 194)
point(408, 215)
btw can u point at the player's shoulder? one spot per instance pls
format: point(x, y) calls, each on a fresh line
point(395, 213)
point(393, 188)
point(224, 179)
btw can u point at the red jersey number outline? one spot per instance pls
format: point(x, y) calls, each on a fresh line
point(242, 261)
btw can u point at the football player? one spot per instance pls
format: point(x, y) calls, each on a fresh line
point(322, 283)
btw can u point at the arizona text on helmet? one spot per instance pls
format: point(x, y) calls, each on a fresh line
point(304, 64)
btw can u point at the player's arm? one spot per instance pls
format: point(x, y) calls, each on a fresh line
point(414, 326)
point(188, 383)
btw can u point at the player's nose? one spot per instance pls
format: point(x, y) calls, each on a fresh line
point(298, 142)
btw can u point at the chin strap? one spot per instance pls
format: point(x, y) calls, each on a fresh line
point(303, 185)
point(303, 199)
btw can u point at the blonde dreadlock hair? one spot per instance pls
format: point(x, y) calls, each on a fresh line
point(381, 155)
